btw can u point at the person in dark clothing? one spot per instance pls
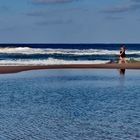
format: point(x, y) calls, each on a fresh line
point(122, 55)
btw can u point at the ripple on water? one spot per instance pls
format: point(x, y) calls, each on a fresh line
point(52, 105)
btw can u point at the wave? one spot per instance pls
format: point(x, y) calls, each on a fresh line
point(79, 52)
point(49, 61)
point(21, 50)
point(136, 59)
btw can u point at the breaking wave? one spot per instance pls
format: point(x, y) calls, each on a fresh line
point(28, 50)
point(50, 61)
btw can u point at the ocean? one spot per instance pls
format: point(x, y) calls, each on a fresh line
point(72, 104)
point(55, 54)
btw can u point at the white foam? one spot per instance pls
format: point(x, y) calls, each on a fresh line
point(21, 50)
point(27, 50)
point(49, 61)
point(137, 59)
point(80, 52)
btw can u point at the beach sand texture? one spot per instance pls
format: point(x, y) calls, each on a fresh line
point(14, 69)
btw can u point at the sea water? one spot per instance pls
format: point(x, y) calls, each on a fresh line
point(56, 54)
point(70, 105)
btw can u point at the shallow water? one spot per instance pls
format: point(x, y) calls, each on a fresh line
point(70, 105)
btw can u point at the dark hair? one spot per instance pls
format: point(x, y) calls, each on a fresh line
point(123, 45)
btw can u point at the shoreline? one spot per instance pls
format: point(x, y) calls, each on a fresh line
point(15, 69)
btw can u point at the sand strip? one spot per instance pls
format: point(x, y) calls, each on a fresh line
point(13, 69)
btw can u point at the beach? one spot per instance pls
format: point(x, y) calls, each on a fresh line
point(69, 70)
point(13, 69)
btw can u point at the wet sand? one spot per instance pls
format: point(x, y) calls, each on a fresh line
point(14, 69)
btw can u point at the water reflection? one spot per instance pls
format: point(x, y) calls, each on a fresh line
point(122, 72)
point(121, 80)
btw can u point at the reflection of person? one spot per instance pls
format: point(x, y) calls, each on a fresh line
point(122, 72)
point(122, 55)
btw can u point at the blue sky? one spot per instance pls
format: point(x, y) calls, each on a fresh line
point(69, 21)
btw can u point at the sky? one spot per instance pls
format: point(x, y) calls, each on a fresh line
point(69, 21)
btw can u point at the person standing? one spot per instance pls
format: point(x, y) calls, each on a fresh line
point(122, 55)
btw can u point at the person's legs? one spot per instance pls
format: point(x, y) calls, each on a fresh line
point(120, 60)
point(124, 60)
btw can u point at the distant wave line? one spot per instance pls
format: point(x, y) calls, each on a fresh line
point(79, 52)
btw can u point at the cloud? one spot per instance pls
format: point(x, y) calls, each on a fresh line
point(37, 13)
point(116, 10)
point(55, 22)
point(10, 28)
point(138, 1)
point(4, 9)
point(114, 18)
point(51, 1)
point(56, 12)
point(123, 9)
